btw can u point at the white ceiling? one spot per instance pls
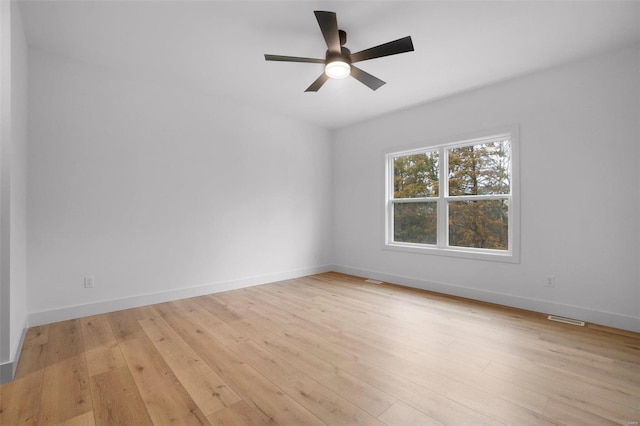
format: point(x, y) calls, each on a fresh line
point(218, 46)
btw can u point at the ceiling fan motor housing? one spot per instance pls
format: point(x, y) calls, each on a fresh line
point(344, 56)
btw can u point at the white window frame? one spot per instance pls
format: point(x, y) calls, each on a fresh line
point(441, 248)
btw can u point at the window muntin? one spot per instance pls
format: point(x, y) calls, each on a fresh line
point(453, 198)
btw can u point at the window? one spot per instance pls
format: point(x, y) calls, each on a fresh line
point(455, 199)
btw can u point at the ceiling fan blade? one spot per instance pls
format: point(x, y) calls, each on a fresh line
point(292, 59)
point(365, 78)
point(316, 85)
point(329, 26)
point(401, 45)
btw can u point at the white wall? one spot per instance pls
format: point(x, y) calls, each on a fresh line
point(163, 193)
point(18, 241)
point(13, 163)
point(580, 137)
point(5, 138)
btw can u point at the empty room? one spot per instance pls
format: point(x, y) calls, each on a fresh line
point(319, 213)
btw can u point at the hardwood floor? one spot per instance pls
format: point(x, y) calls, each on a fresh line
point(327, 349)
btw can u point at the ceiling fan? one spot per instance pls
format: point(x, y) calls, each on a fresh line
point(339, 60)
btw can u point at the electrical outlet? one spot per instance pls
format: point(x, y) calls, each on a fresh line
point(89, 281)
point(551, 281)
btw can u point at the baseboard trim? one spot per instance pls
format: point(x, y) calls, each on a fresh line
point(6, 372)
point(79, 311)
point(8, 369)
point(609, 319)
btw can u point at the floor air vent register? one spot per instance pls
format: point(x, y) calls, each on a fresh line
point(565, 320)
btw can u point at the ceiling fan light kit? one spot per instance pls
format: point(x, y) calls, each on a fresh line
point(338, 60)
point(337, 69)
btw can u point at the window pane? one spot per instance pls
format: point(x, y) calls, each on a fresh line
point(415, 222)
point(480, 169)
point(479, 224)
point(415, 175)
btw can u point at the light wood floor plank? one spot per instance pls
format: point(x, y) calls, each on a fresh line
point(315, 397)
point(324, 350)
point(33, 353)
point(268, 400)
point(365, 396)
point(125, 325)
point(214, 325)
point(238, 414)
point(218, 309)
point(101, 346)
point(431, 403)
point(401, 414)
point(165, 398)
point(85, 419)
point(601, 401)
point(570, 415)
point(204, 386)
point(116, 399)
point(20, 400)
point(65, 391)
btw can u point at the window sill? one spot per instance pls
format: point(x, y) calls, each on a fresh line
point(490, 255)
